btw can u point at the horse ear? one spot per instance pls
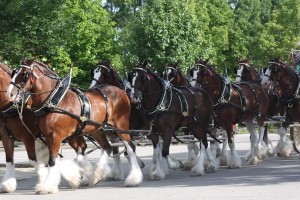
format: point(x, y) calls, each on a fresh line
point(145, 63)
point(108, 62)
point(248, 60)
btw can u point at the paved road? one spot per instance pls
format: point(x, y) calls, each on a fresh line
point(275, 178)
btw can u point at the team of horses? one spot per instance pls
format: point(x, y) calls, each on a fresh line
point(43, 111)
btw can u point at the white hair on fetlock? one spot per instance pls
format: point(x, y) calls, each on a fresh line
point(284, 147)
point(50, 185)
point(135, 176)
point(101, 170)
point(198, 169)
point(9, 182)
point(173, 163)
point(117, 171)
point(212, 165)
point(41, 170)
point(254, 160)
point(191, 157)
point(261, 147)
point(157, 171)
point(70, 171)
point(85, 168)
point(41, 151)
point(235, 160)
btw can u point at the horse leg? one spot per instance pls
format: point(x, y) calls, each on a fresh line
point(261, 147)
point(235, 160)
point(191, 158)
point(67, 168)
point(211, 164)
point(141, 163)
point(252, 156)
point(79, 145)
point(198, 169)
point(9, 182)
point(158, 169)
point(172, 162)
point(223, 155)
point(271, 150)
point(284, 146)
point(102, 169)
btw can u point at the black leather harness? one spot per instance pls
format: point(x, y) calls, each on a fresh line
point(12, 110)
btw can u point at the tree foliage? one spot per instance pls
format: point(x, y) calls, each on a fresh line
point(78, 32)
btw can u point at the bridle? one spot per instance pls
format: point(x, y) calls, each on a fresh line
point(104, 67)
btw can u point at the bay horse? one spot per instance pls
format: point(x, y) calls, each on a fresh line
point(169, 109)
point(246, 72)
point(64, 119)
point(17, 124)
point(234, 103)
point(175, 76)
point(285, 77)
point(105, 74)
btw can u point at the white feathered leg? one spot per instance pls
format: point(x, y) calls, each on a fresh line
point(198, 169)
point(224, 160)
point(50, 186)
point(191, 158)
point(135, 176)
point(284, 147)
point(9, 182)
point(85, 168)
point(101, 170)
point(261, 147)
point(157, 171)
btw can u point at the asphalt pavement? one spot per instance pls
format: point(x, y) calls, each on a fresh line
point(275, 178)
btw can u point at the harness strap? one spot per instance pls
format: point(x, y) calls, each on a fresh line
point(98, 88)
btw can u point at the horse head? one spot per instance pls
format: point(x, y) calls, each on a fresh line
point(201, 73)
point(143, 81)
point(170, 72)
point(27, 76)
point(246, 71)
point(100, 75)
point(281, 74)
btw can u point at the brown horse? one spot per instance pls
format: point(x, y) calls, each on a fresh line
point(169, 109)
point(285, 77)
point(60, 119)
point(105, 74)
point(246, 72)
point(234, 103)
point(13, 128)
point(174, 75)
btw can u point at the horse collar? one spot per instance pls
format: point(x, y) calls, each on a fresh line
point(54, 98)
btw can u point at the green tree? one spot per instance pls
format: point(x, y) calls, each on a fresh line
point(163, 31)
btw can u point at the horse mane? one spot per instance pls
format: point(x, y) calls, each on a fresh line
point(6, 68)
point(45, 69)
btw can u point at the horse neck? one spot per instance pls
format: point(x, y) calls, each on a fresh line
point(289, 84)
point(152, 94)
point(113, 80)
point(4, 82)
point(42, 88)
point(181, 81)
point(214, 86)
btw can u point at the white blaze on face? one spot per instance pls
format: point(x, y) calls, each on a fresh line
point(97, 74)
point(9, 93)
point(266, 78)
point(239, 73)
point(194, 77)
point(133, 86)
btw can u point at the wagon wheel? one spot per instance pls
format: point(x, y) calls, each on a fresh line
point(295, 136)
